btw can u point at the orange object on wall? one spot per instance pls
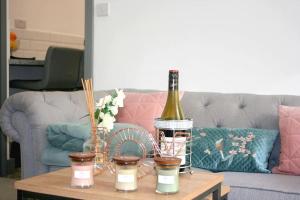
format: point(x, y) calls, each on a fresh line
point(13, 41)
point(13, 36)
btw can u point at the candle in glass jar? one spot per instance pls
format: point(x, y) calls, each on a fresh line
point(167, 169)
point(126, 173)
point(82, 170)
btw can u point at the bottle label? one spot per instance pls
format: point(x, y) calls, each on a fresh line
point(125, 178)
point(82, 174)
point(166, 179)
point(178, 149)
point(173, 81)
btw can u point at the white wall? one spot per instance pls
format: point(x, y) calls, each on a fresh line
point(249, 46)
point(62, 16)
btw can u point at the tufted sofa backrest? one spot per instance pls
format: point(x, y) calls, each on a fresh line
point(235, 110)
point(25, 116)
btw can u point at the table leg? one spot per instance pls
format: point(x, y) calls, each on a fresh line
point(217, 193)
point(225, 197)
point(20, 195)
point(3, 161)
point(7, 166)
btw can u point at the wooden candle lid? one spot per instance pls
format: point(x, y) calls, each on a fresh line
point(167, 161)
point(126, 160)
point(82, 156)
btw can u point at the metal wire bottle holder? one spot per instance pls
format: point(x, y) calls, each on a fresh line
point(179, 144)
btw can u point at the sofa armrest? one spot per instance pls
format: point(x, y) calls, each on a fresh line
point(40, 108)
point(25, 117)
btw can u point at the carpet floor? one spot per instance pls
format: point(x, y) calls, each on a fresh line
point(7, 190)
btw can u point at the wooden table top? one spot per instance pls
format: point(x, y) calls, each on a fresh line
point(58, 183)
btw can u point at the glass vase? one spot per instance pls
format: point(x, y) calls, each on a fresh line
point(97, 144)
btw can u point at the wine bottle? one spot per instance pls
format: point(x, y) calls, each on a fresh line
point(176, 146)
point(173, 109)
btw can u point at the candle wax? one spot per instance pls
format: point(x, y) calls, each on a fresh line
point(167, 180)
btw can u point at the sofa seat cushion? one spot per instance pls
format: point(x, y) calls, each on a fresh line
point(262, 186)
point(254, 186)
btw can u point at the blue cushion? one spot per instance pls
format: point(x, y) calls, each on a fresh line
point(64, 138)
point(55, 157)
point(68, 136)
point(228, 149)
point(274, 157)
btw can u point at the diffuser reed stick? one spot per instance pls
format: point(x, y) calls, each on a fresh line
point(89, 96)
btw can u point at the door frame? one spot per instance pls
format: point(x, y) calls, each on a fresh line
point(3, 80)
point(4, 52)
point(5, 163)
point(89, 39)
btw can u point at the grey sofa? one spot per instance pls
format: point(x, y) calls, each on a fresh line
point(25, 116)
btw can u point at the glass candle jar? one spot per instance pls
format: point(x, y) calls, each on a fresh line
point(82, 165)
point(167, 170)
point(126, 173)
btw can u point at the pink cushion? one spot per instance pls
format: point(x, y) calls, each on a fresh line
point(289, 125)
point(142, 109)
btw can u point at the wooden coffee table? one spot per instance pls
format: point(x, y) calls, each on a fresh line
point(56, 185)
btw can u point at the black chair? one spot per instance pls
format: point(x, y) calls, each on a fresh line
point(63, 71)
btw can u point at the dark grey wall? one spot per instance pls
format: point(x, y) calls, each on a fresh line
point(3, 81)
point(89, 38)
point(3, 53)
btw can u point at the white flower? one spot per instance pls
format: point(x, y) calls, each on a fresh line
point(114, 109)
point(118, 100)
point(120, 93)
point(107, 122)
point(107, 108)
point(107, 99)
point(101, 115)
point(100, 103)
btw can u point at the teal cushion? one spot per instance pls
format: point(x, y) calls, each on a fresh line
point(68, 136)
point(64, 138)
point(232, 149)
point(53, 156)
